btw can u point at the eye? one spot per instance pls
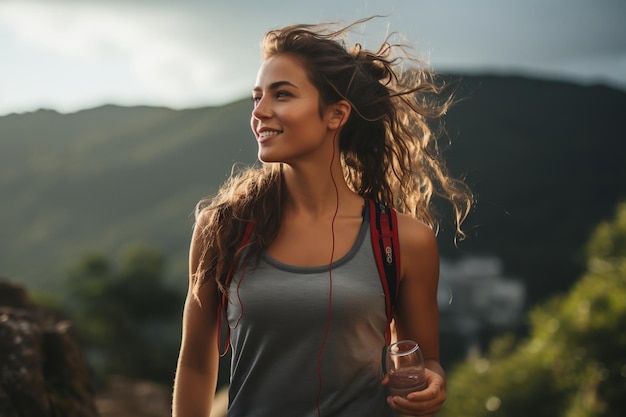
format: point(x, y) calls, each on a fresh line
point(282, 93)
point(255, 100)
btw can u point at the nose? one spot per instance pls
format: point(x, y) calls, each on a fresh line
point(261, 109)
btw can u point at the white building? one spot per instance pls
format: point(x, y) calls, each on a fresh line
point(473, 292)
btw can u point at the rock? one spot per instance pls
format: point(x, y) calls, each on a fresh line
point(43, 372)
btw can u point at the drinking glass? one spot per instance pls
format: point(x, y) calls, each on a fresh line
point(405, 368)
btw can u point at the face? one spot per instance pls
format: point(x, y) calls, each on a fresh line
point(286, 118)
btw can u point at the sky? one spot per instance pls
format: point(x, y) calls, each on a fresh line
point(70, 55)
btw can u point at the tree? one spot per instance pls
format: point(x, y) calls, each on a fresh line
point(573, 363)
point(128, 318)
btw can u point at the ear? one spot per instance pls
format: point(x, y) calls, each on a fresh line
point(339, 113)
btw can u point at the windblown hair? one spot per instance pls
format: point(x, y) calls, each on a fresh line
point(389, 151)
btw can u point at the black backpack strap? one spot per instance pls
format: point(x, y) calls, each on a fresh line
point(385, 242)
point(222, 304)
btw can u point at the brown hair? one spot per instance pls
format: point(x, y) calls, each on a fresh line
point(388, 149)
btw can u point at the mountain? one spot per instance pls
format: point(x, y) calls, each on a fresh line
point(544, 158)
point(102, 179)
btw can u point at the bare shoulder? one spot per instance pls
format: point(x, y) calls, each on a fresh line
point(419, 251)
point(196, 250)
point(203, 216)
point(414, 234)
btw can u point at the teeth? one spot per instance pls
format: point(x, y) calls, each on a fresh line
point(268, 133)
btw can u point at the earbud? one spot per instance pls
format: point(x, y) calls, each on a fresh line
point(341, 112)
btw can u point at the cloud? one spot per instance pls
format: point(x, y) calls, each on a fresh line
point(69, 54)
point(149, 44)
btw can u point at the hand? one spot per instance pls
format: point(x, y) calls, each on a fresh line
point(421, 403)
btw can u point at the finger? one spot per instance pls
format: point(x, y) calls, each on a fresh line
point(406, 406)
point(427, 394)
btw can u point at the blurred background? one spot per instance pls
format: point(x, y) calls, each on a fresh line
point(116, 117)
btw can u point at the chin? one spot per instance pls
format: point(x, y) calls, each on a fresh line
point(268, 158)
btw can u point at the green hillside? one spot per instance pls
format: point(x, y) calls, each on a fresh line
point(101, 179)
point(546, 160)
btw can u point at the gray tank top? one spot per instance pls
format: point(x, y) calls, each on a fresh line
point(278, 315)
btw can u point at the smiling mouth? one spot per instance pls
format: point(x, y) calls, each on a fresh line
point(266, 134)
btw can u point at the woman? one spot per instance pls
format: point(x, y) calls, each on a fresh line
point(335, 128)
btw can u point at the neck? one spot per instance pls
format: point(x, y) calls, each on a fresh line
point(317, 191)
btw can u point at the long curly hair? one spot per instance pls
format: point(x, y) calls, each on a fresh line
point(388, 146)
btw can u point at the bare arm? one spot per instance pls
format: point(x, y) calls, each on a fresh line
point(198, 361)
point(417, 313)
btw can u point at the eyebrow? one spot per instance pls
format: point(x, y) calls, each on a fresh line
point(276, 85)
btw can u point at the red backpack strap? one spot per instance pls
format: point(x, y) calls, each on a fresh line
point(222, 304)
point(385, 242)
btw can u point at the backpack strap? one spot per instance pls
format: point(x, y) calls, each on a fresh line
point(385, 242)
point(222, 303)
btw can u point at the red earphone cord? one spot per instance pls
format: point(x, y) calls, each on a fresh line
point(330, 282)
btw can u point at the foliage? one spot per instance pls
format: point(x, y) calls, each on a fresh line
point(128, 318)
point(573, 363)
point(609, 240)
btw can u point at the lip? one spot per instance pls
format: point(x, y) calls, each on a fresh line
point(264, 134)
